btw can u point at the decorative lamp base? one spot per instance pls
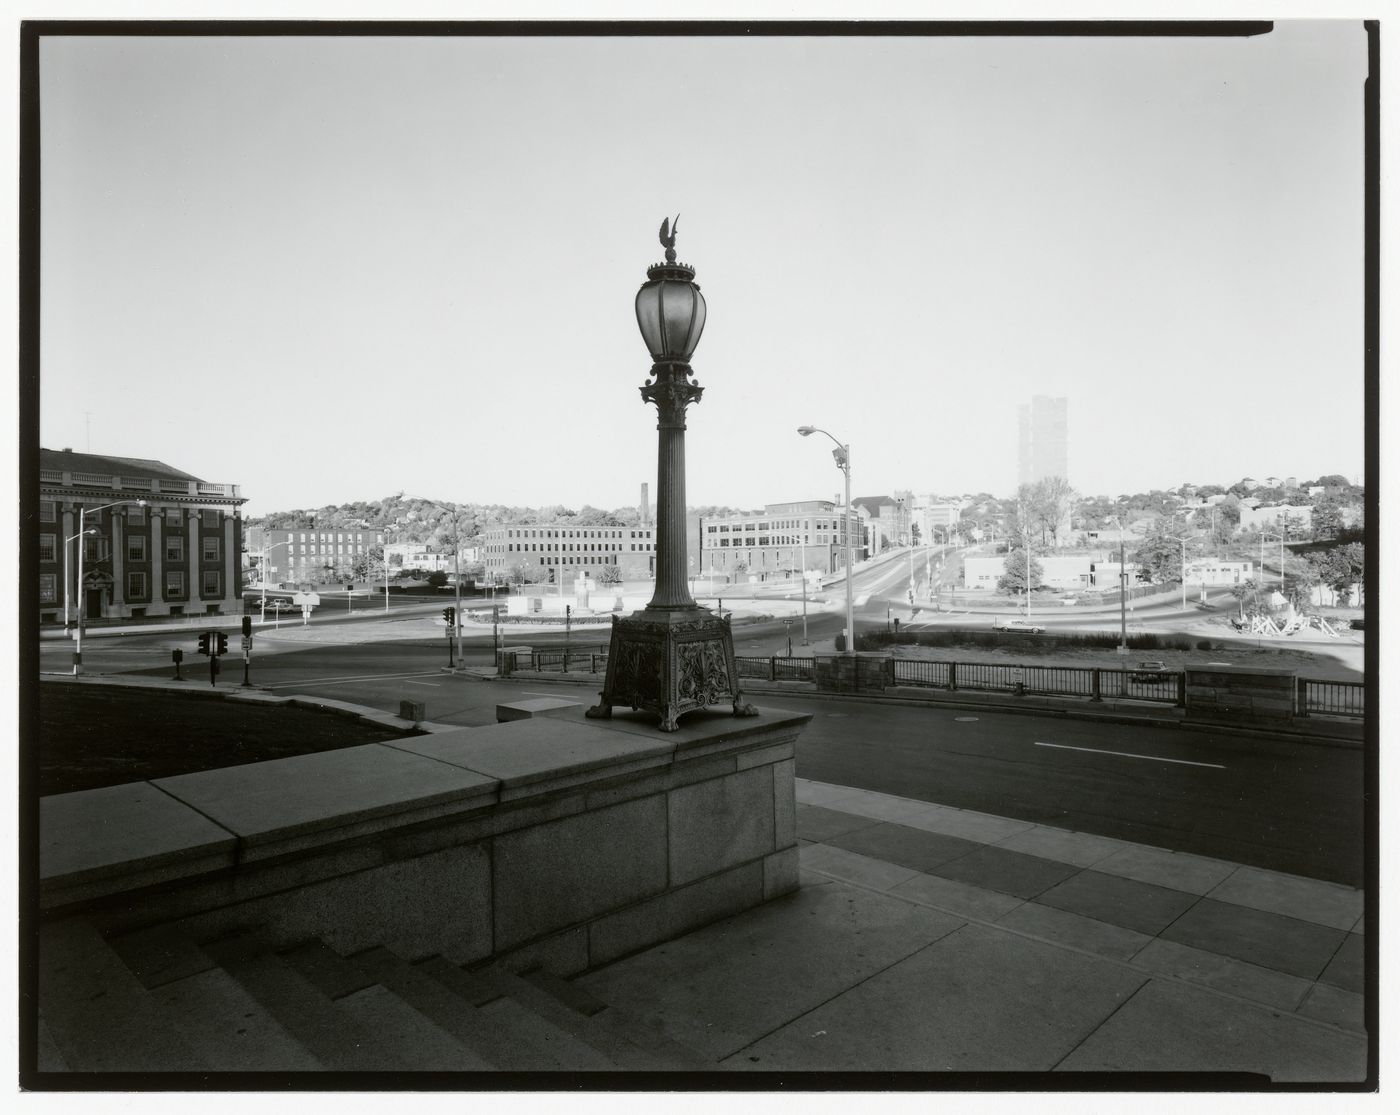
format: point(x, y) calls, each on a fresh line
point(671, 661)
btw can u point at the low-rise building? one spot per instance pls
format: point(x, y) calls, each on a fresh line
point(547, 552)
point(1217, 571)
point(1069, 572)
point(180, 554)
point(780, 541)
point(311, 555)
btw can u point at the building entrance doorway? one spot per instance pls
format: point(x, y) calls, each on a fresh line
point(93, 609)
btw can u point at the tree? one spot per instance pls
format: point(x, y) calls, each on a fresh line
point(1300, 576)
point(1327, 518)
point(610, 575)
point(1013, 578)
point(1341, 567)
point(437, 579)
point(1159, 556)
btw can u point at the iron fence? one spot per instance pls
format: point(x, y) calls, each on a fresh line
point(1331, 698)
point(777, 668)
point(1325, 698)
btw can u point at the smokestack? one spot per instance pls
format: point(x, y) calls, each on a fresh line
point(644, 508)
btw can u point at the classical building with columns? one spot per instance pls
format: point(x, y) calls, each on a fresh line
point(181, 554)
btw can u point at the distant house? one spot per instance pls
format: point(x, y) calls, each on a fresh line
point(1275, 516)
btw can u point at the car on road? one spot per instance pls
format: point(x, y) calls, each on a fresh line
point(1018, 625)
point(280, 605)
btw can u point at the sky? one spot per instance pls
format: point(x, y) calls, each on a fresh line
point(335, 268)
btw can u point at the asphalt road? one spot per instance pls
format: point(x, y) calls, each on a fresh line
point(1270, 802)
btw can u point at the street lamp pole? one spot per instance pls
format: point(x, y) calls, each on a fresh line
point(82, 598)
point(1122, 589)
point(842, 454)
point(674, 656)
point(262, 606)
point(67, 605)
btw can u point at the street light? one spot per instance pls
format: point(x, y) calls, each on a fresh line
point(842, 454)
point(262, 605)
point(82, 596)
point(67, 605)
point(1263, 537)
point(1122, 589)
point(674, 656)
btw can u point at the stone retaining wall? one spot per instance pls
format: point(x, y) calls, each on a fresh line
point(1240, 693)
point(863, 672)
point(555, 840)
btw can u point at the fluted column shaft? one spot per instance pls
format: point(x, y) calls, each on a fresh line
point(672, 393)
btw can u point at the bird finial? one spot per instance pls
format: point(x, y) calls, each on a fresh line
point(668, 237)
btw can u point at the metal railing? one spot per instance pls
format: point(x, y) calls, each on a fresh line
point(777, 668)
point(1331, 698)
point(1094, 683)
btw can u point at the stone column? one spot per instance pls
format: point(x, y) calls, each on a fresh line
point(192, 597)
point(157, 556)
point(233, 578)
point(118, 601)
point(67, 523)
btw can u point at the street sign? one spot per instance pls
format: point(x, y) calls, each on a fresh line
point(247, 642)
point(306, 599)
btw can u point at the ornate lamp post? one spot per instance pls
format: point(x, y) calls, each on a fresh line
point(674, 656)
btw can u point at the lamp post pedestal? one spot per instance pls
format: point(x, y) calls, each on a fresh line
point(671, 661)
point(674, 656)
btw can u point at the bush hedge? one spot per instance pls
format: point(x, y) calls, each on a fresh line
point(951, 637)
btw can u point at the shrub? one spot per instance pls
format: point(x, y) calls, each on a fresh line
point(1205, 644)
point(950, 637)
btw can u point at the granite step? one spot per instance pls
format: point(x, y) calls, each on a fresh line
point(381, 1009)
point(483, 1029)
point(530, 1042)
point(331, 1035)
point(229, 1028)
point(628, 1039)
point(49, 1058)
point(98, 1015)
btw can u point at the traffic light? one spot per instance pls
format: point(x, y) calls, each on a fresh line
point(204, 643)
point(223, 642)
point(448, 615)
point(247, 626)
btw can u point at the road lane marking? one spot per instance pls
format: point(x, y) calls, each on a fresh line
point(1129, 755)
point(430, 684)
point(346, 680)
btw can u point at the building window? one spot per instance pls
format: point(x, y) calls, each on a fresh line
point(174, 548)
point(48, 511)
point(94, 548)
point(136, 586)
point(210, 548)
point(211, 582)
point(210, 519)
point(175, 583)
point(47, 547)
point(48, 588)
point(136, 516)
point(135, 547)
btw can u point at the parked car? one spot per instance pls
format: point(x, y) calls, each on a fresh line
point(1018, 625)
point(1148, 671)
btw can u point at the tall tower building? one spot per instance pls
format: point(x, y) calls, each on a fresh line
point(1043, 441)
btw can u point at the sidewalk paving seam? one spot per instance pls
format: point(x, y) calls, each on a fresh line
point(1149, 976)
point(846, 990)
point(1103, 1021)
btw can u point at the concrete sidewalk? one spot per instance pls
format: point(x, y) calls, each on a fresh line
point(932, 939)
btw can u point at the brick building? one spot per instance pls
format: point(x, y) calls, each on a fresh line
point(181, 554)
